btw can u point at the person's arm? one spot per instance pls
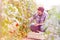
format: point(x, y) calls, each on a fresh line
point(32, 18)
point(39, 23)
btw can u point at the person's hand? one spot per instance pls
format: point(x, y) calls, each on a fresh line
point(37, 24)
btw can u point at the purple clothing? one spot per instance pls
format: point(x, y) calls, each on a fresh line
point(38, 20)
point(35, 28)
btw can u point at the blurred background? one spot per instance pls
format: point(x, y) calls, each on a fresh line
point(15, 14)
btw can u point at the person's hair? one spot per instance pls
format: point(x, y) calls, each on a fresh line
point(41, 9)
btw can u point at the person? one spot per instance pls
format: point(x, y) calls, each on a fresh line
point(39, 17)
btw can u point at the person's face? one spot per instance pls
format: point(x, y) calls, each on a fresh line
point(39, 12)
